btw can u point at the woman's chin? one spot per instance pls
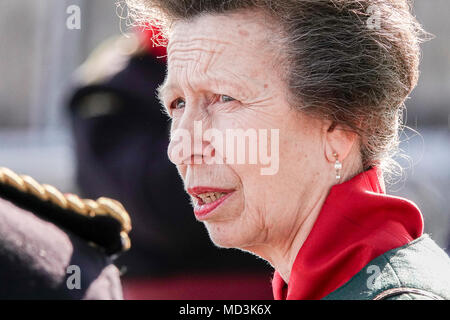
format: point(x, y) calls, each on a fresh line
point(227, 234)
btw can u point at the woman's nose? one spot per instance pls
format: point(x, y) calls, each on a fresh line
point(187, 144)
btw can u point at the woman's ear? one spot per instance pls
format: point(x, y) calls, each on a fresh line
point(339, 140)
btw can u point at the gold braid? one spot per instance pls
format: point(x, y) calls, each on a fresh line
point(86, 207)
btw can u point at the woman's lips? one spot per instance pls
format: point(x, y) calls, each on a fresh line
point(201, 208)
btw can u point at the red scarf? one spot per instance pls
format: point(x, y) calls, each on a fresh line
point(357, 223)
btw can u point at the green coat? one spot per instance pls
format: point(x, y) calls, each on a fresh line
point(417, 270)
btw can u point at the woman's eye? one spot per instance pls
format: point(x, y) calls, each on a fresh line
point(178, 104)
point(225, 98)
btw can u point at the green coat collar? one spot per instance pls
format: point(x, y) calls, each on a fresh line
point(420, 264)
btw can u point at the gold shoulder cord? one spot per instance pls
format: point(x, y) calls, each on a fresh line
point(87, 207)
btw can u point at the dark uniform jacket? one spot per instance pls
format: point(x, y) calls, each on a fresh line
point(58, 246)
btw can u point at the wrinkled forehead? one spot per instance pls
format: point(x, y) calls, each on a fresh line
point(235, 43)
point(218, 33)
point(242, 23)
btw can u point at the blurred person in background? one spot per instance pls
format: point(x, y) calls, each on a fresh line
point(120, 135)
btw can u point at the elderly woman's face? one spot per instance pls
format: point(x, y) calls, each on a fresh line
point(223, 75)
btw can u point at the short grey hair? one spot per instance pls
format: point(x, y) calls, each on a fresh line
point(352, 61)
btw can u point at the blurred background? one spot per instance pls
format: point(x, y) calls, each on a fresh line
point(39, 55)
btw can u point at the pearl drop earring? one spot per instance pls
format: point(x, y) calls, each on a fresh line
point(337, 166)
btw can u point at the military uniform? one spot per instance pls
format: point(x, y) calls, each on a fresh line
point(58, 246)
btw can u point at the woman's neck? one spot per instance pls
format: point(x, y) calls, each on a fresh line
point(281, 254)
point(282, 247)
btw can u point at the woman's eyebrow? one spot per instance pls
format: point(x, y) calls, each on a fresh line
point(164, 89)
